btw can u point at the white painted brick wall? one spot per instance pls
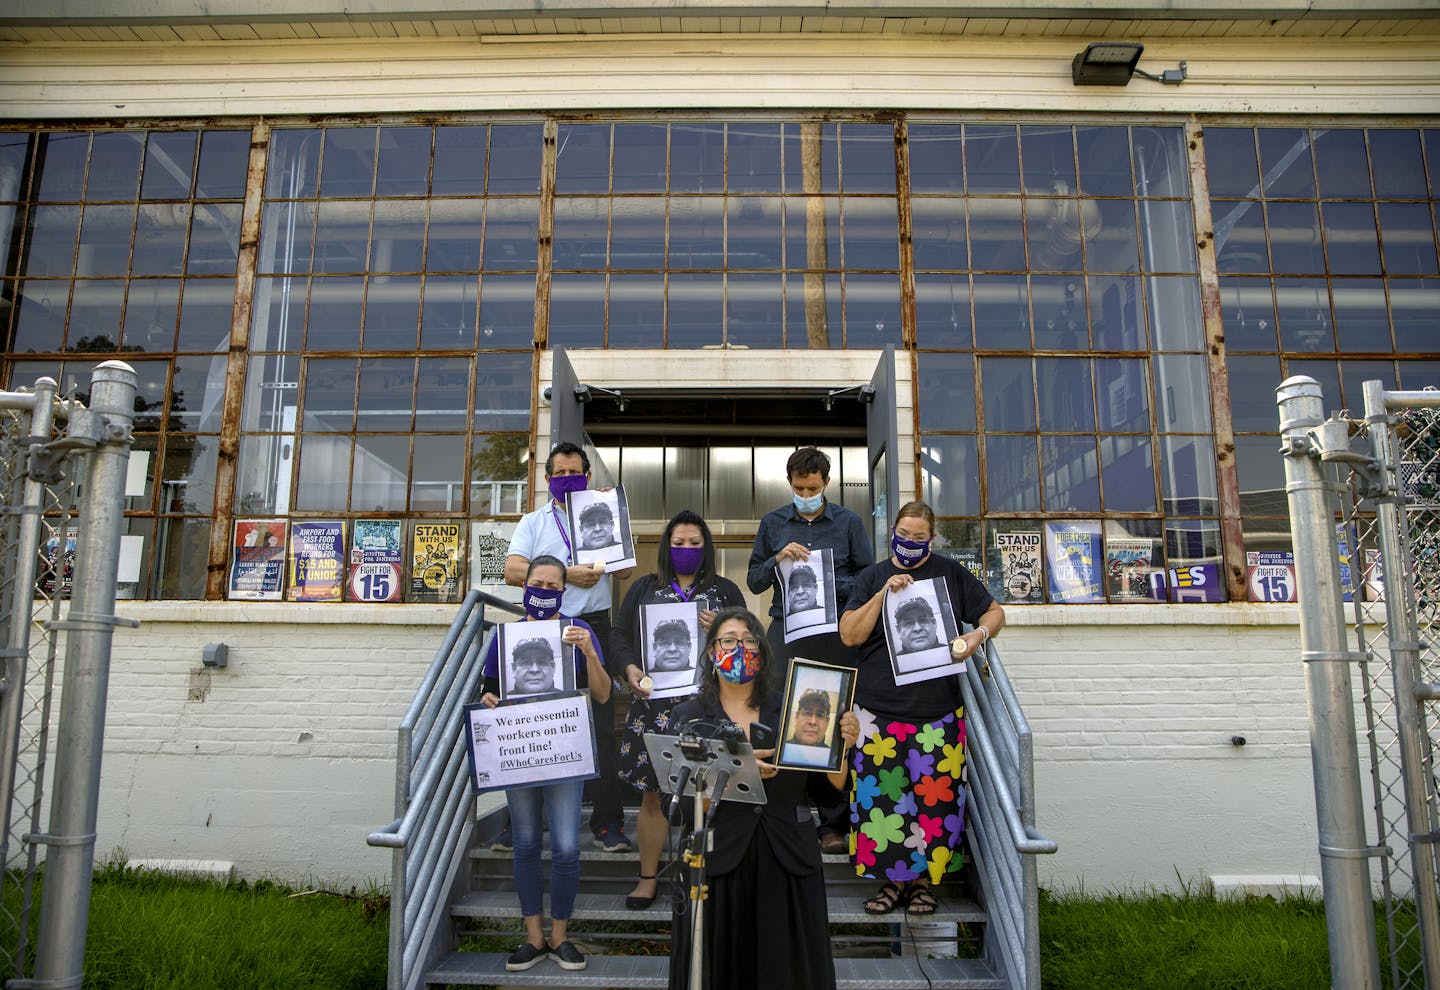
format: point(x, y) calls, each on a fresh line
point(287, 762)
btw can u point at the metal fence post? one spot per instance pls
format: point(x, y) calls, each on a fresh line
point(65, 904)
point(1404, 641)
point(1344, 855)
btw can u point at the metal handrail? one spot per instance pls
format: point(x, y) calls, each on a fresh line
point(434, 812)
point(1000, 830)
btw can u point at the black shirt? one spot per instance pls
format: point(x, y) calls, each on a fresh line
point(875, 687)
point(835, 528)
point(711, 595)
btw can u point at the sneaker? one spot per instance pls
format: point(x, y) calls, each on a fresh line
point(612, 839)
point(566, 956)
point(832, 843)
point(503, 842)
point(527, 955)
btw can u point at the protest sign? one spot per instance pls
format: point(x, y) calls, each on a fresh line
point(257, 564)
point(317, 561)
point(530, 744)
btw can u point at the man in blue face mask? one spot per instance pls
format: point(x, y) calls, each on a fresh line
point(811, 522)
point(588, 597)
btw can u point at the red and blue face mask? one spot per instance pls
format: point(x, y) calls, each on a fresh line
point(738, 665)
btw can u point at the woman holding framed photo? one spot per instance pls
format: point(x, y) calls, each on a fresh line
point(912, 734)
point(557, 803)
point(684, 572)
point(766, 923)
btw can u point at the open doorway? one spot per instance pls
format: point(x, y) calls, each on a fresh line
point(724, 457)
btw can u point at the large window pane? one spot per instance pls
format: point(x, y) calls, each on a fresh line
point(502, 392)
point(335, 315)
point(515, 151)
point(386, 396)
point(105, 241)
point(403, 164)
point(512, 234)
point(330, 395)
point(1176, 318)
point(1104, 154)
point(1303, 305)
point(1123, 395)
point(392, 312)
point(1340, 161)
point(1399, 165)
point(582, 159)
point(697, 234)
point(1230, 162)
point(577, 311)
point(437, 481)
point(1361, 320)
point(115, 165)
point(1286, 162)
point(151, 307)
point(1129, 474)
point(950, 474)
point(754, 310)
point(697, 157)
point(1115, 308)
point(936, 158)
point(507, 311)
point(197, 394)
point(1067, 396)
point(942, 311)
point(1182, 391)
point(205, 311)
point(946, 386)
point(1002, 312)
point(498, 475)
point(1012, 477)
point(754, 233)
point(1187, 476)
point(640, 157)
point(1071, 474)
point(1350, 239)
point(637, 311)
point(695, 311)
point(939, 234)
point(1408, 239)
point(1253, 379)
point(347, 165)
point(1009, 391)
point(1295, 238)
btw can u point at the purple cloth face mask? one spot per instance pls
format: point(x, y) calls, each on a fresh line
point(908, 552)
point(561, 485)
point(687, 560)
point(541, 603)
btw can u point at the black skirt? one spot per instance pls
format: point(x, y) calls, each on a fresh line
point(764, 927)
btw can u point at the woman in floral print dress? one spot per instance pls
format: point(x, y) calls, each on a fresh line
point(907, 801)
point(684, 572)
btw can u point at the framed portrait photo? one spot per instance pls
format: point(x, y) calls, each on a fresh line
point(919, 625)
point(807, 595)
point(816, 695)
point(670, 646)
point(600, 527)
point(534, 661)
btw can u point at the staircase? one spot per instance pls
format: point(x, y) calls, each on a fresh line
point(454, 916)
point(863, 942)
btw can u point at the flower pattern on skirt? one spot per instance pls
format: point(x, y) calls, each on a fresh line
point(907, 797)
point(643, 716)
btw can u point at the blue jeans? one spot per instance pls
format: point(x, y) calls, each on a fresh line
point(560, 803)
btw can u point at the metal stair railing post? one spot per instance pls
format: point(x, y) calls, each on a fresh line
point(1000, 830)
point(433, 802)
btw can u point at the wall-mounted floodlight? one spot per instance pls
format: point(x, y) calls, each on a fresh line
point(1112, 63)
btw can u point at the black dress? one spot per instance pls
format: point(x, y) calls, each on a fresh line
point(766, 922)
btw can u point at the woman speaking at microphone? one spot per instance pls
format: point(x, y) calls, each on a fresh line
point(765, 923)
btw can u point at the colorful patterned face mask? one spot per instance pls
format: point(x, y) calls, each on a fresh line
point(738, 665)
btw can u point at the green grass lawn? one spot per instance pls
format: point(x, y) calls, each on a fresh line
point(149, 932)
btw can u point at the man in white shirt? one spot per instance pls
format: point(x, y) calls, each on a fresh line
point(587, 597)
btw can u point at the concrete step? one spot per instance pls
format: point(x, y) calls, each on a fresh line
point(597, 906)
point(642, 972)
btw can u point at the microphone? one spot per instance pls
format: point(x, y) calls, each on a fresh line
point(721, 779)
point(676, 806)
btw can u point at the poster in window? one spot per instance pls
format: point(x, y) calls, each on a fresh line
point(57, 573)
point(1129, 565)
point(807, 590)
point(1374, 576)
point(1072, 559)
point(1270, 575)
point(919, 626)
point(317, 561)
point(1344, 541)
point(600, 527)
point(1016, 573)
point(257, 564)
point(1198, 582)
point(376, 561)
point(435, 558)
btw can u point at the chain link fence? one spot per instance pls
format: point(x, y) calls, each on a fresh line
point(1389, 543)
point(37, 558)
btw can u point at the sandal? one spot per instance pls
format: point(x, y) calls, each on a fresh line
point(635, 903)
point(920, 899)
point(885, 900)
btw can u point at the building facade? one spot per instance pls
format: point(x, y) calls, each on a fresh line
point(367, 262)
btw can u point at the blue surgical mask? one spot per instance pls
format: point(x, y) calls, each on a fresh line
point(808, 505)
point(541, 603)
point(909, 552)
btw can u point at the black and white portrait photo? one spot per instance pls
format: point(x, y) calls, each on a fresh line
point(534, 660)
point(670, 650)
point(919, 625)
point(600, 528)
point(815, 697)
point(808, 600)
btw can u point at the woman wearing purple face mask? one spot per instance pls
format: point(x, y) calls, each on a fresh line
point(685, 571)
point(766, 921)
point(918, 728)
point(559, 803)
